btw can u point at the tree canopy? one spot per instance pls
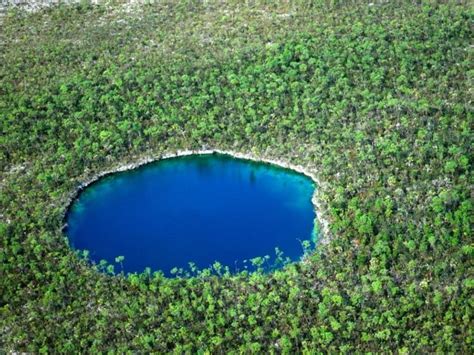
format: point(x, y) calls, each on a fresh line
point(374, 98)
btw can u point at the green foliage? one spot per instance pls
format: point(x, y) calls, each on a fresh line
point(375, 98)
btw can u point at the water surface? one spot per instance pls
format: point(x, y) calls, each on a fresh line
point(199, 208)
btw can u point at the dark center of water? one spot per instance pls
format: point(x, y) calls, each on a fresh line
point(199, 208)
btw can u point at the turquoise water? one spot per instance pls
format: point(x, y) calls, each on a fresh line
point(199, 208)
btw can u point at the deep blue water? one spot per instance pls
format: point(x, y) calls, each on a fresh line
point(199, 208)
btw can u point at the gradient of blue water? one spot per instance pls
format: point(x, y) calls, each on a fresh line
point(200, 208)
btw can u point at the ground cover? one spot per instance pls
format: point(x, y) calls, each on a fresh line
point(374, 98)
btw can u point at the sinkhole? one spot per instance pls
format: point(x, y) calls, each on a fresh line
point(199, 208)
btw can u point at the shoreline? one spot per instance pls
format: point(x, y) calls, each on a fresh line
point(322, 223)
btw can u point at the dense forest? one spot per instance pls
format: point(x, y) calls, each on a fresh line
point(375, 98)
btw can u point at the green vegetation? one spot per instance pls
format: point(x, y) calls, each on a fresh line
point(376, 98)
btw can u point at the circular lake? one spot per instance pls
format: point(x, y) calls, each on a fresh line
point(198, 208)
